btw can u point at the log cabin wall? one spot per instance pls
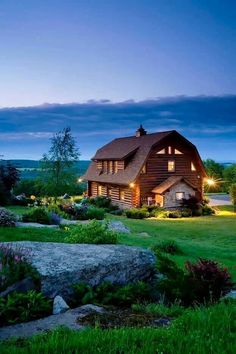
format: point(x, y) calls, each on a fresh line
point(130, 195)
point(157, 167)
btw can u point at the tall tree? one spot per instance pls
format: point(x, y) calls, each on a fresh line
point(58, 164)
point(9, 176)
point(230, 176)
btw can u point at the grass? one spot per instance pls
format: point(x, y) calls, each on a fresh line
point(212, 237)
point(197, 331)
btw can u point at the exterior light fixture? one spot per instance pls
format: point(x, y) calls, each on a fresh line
point(80, 180)
point(210, 182)
point(131, 185)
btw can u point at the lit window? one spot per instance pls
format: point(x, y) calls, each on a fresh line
point(177, 152)
point(122, 195)
point(144, 169)
point(116, 166)
point(169, 150)
point(171, 166)
point(161, 152)
point(193, 168)
point(179, 195)
point(99, 190)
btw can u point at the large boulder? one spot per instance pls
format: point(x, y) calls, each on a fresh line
point(62, 265)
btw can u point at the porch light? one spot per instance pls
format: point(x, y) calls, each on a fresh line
point(131, 185)
point(210, 182)
point(80, 180)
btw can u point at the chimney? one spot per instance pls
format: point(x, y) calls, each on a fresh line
point(140, 131)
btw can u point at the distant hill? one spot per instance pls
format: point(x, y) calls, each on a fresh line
point(30, 169)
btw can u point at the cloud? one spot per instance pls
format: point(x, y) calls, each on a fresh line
point(94, 123)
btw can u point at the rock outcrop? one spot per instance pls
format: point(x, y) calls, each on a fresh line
point(62, 265)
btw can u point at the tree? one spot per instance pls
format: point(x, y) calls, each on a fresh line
point(214, 170)
point(58, 165)
point(230, 175)
point(9, 176)
point(232, 192)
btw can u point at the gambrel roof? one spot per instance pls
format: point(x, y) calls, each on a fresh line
point(136, 149)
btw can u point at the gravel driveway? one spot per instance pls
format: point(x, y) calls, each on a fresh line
point(219, 199)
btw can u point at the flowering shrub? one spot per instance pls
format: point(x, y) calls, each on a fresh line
point(13, 267)
point(7, 218)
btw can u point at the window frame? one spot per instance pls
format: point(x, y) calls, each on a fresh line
point(121, 195)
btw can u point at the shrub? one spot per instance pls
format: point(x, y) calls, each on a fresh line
point(186, 213)
point(95, 213)
point(54, 208)
point(7, 218)
point(13, 267)
point(175, 214)
point(168, 246)
point(112, 294)
point(81, 212)
point(136, 213)
point(94, 233)
point(207, 210)
point(208, 279)
point(38, 214)
point(23, 307)
point(77, 198)
point(100, 202)
point(199, 283)
point(118, 212)
point(193, 204)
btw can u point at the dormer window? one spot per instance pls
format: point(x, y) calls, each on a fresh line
point(161, 152)
point(193, 168)
point(171, 166)
point(177, 152)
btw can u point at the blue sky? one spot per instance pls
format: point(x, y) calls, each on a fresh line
point(76, 51)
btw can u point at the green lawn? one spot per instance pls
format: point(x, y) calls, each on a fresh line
point(197, 331)
point(211, 237)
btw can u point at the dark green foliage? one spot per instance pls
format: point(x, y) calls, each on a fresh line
point(202, 282)
point(168, 246)
point(118, 212)
point(38, 214)
point(175, 214)
point(7, 218)
point(95, 213)
point(100, 202)
point(9, 176)
point(233, 195)
point(23, 307)
point(93, 233)
point(193, 204)
point(208, 279)
point(14, 267)
point(115, 295)
point(207, 210)
point(29, 187)
point(136, 213)
point(186, 213)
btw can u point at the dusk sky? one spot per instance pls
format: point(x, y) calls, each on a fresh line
point(107, 66)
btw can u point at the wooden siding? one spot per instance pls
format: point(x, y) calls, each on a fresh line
point(157, 168)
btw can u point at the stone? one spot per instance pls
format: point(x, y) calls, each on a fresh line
point(35, 224)
point(231, 295)
point(118, 226)
point(22, 286)
point(69, 319)
point(144, 234)
point(59, 305)
point(61, 265)
point(68, 222)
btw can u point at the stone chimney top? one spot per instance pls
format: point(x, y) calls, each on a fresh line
point(140, 131)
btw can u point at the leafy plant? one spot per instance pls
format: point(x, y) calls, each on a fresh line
point(38, 214)
point(232, 192)
point(23, 307)
point(208, 279)
point(95, 213)
point(136, 213)
point(168, 246)
point(13, 267)
point(7, 218)
point(207, 210)
point(95, 232)
point(113, 294)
